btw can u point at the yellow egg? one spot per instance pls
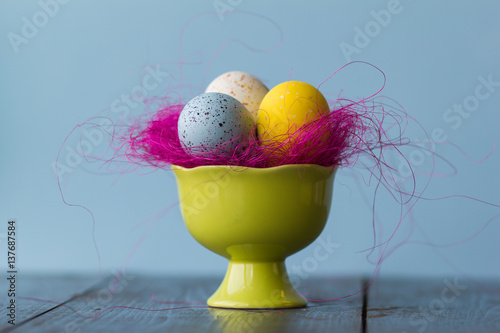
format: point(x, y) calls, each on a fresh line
point(287, 107)
point(245, 87)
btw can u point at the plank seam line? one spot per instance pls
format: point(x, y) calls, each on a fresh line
point(364, 311)
point(78, 295)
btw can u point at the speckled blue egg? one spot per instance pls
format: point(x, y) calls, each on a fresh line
point(214, 123)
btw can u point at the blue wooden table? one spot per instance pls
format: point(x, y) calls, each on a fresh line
point(141, 303)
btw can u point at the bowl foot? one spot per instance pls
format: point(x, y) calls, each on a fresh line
point(256, 285)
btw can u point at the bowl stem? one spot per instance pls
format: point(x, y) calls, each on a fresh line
point(256, 285)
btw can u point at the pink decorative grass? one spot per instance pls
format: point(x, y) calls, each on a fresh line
point(330, 139)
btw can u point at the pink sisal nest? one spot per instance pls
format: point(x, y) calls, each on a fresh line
point(330, 139)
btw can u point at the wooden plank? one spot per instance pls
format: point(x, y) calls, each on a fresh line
point(193, 315)
point(439, 305)
point(37, 288)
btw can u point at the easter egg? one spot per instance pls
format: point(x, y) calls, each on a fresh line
point(287, 107)
point(214, 123)
point(245, 87)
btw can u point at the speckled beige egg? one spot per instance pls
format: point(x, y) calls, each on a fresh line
point(245, 87)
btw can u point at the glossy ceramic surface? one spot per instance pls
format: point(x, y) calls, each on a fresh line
point(255, 218)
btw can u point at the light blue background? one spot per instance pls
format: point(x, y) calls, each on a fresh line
point(91, 52)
